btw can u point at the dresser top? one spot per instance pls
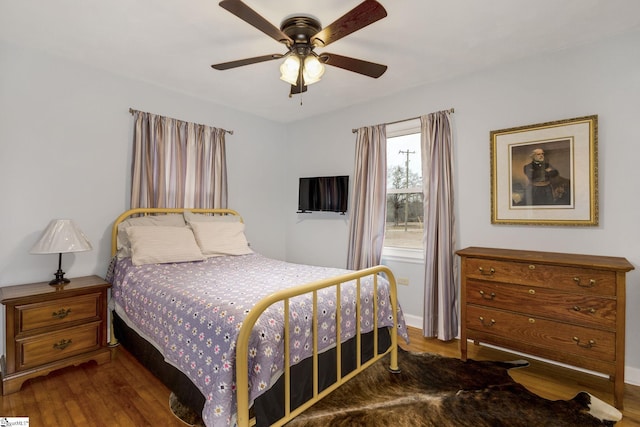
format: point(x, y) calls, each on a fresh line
point(76, 285)
point(553, 258)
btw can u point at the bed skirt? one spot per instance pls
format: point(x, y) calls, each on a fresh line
point(269, 406)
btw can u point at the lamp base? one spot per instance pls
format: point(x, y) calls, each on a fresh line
point(60, 279)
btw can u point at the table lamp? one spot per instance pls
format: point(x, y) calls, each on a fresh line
point(61, 236)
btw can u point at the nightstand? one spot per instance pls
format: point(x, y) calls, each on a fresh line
point(51, 327)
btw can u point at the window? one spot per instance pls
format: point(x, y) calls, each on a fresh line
point(404, 226)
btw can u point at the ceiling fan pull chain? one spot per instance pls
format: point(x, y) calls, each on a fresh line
point(301, 80)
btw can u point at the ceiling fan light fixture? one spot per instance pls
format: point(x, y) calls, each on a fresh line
point(289, 69)
point(313, 70)
point(301, 34)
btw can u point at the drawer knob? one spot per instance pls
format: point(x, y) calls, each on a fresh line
point(588, 344)
point(62, 344)
point(588, 310)
point(488, 324)
point(490, 296)
point(486, 273)
point(532, 291)
point(590, 284)
point(532, 267)
point(61, 314)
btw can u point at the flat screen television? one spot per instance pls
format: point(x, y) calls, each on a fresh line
point(323, 193)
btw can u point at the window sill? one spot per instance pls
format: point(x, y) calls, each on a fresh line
point(415, 256)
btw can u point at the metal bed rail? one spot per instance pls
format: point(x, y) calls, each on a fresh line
point(242, 345)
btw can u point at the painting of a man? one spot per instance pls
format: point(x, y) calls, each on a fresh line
point(544, 184)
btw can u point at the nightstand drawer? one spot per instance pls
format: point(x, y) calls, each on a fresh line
point(46, 348)
point(57, 312)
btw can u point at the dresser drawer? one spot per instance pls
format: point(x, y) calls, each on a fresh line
point(565, 278)
point(57, 312)
point(41, 349)
point(585, 310)
point(537, 332)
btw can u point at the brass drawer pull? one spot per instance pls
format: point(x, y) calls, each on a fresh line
point(485, 324)
point(61, 314)
point(62, 344)
point(491, 296)
point(590, 344)
point(588, 310)
point(591, 283)
point(487, 273)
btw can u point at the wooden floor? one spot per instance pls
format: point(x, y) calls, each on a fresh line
point(123, 393)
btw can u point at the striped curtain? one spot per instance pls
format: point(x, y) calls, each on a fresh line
point(177, 164)
point(440, 299)
point(368, 199)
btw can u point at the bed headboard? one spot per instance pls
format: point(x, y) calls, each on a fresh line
point(161, 211)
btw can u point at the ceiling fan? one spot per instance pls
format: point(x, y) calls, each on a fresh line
point(302, 34)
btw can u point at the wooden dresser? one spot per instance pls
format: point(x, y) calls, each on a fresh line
point(564, 307)
point(50, 327)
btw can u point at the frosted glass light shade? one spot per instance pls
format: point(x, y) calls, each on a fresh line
point(313, 70)
point(289, 69)
point(61, 236)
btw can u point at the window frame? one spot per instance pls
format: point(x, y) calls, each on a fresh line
point(390, 253)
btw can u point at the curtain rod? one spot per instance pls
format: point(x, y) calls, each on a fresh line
point(450, 110)
point(131, 111)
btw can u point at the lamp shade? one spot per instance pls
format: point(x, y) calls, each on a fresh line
point(289, 69)
point(61, 236)
point(313, 70)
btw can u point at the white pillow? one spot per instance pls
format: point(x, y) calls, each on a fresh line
point(124, 247)
point(190, 217)
point(221, 238)
point(158, 245)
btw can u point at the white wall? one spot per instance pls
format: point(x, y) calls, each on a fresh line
point(65, 151)
point(65, 135)
point(600, 79)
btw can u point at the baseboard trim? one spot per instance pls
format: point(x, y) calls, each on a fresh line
point(413, 321)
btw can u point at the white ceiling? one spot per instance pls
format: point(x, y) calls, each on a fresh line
point(172, 43)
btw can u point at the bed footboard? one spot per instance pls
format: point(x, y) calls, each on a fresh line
point(242, 346)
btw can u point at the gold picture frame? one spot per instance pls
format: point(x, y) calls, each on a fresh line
point(546, 174)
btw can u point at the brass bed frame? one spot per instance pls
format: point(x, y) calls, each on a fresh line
point(242, 346)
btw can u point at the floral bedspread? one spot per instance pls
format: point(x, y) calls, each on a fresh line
point(193, 312)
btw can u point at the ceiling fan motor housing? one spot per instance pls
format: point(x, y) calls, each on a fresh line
point(301, 29)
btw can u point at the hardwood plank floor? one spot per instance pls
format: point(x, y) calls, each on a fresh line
point(124, 393)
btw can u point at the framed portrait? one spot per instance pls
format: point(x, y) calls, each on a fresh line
point(546, 174)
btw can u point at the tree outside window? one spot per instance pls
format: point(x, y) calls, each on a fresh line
point(405, 211)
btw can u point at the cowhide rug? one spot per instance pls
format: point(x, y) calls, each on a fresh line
point(438, 391)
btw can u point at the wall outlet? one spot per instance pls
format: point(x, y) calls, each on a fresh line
point(404, 281)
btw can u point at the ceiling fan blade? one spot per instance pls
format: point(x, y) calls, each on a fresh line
point(246, 61)
point(367, 12)
point(251, 17)
point(367, 68)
